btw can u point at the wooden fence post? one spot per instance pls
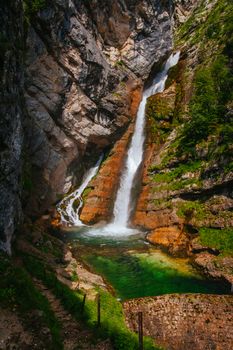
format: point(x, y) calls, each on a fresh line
point(140, 330)
point(83, 303)
point(98, 310)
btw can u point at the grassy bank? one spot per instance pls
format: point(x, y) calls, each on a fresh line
point(112, 319)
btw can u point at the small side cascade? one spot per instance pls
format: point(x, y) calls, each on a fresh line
point(66, 208)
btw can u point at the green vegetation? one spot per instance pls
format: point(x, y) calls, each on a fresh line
point(159, 108)
point(86, 192)
point(17, 289)
point(212, 99)
point(112, 320)
point(203, 111)
point(74, 277)
point(119, 63)
point(217, 238)
point(172, 179)
point(159, 114)
point(177, 172)
point(192, 208)
point(31, 7)
point(209, 106)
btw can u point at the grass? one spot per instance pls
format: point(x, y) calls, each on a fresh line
point(221, 239)
point(112, 320)
point(177, 172)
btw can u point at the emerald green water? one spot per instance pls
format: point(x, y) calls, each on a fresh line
point(135, 269)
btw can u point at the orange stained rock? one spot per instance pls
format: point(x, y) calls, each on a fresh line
point(152, 219)
point(165, 235)
point(171, 238)
point(100, 201)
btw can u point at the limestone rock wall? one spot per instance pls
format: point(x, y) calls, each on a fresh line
point(81, 62)
point(11, 130)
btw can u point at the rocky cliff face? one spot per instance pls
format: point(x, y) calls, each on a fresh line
point(11, 133)
point(187, 181)
point(83, 62)
point(83, 65)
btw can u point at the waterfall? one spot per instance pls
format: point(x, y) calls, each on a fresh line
point(119, 225)
point(135, 153)
point(68, 213)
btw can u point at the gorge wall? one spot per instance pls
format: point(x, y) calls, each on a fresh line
point(11, 121)
point(186, 198)
point(71, 71)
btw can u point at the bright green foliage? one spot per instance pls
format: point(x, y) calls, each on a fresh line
point(177, 172)
point(171, 180)
point(213, 82)
point(208, 107)
point(217, 238)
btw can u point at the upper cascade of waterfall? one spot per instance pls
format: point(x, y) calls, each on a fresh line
point(135, 153)
point(69, 214)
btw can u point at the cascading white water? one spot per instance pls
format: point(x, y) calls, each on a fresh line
point(135, 153)
point(121, 212)
point(68, 213)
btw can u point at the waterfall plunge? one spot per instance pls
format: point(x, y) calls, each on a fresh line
point(119, 226)
point(135, 152)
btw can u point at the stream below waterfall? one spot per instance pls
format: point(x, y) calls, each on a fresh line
point(120, 253)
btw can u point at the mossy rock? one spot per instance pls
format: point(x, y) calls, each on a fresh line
point(161, 106)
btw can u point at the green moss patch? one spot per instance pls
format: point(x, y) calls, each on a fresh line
point(217, 238)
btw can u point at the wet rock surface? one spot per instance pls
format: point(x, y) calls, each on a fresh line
point(172, 238)
point(184, 322)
